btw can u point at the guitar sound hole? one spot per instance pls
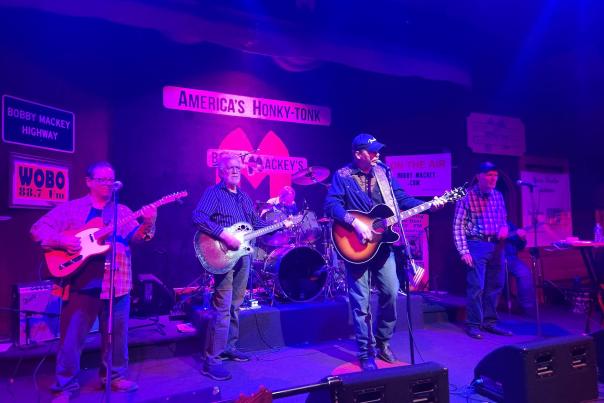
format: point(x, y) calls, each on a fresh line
point(378, 226)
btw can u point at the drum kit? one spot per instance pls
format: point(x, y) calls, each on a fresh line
point(300, 263)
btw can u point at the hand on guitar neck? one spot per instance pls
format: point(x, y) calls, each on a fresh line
point(437, 203)
point(233, 242)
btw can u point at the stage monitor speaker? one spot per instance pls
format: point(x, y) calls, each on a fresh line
point(599, 341)
point(427, 383)
point(151, 297)
point(36, 313)
point(555, 370)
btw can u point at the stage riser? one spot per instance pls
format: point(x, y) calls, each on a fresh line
point(282, 325)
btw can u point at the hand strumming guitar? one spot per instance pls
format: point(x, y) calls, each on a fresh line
point(230, 240)
point(363, 231)
point(70, 243)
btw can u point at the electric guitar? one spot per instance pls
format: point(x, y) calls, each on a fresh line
point(92, 240)
point(380, 219)
point(217, 258)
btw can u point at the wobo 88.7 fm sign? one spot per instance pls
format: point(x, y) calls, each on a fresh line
point(38, 183)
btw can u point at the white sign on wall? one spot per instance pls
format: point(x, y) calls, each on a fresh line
point(422, 174)
point(550, 200)
point(492, 134)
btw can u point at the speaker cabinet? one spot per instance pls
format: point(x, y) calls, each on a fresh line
point(555, 370)
point(36, 313)
point(426, 383)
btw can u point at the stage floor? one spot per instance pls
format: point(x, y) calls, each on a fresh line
point(165, 369)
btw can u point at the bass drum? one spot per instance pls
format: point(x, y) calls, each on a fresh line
point(300, 272)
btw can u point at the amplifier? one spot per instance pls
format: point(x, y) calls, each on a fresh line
point(36, 315)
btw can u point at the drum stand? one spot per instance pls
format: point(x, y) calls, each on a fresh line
point(333, 285)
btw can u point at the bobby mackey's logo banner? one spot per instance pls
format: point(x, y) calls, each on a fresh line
point(187, 99)
point(270, 159)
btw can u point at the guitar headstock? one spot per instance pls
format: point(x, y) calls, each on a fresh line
point(455, 194)
point(172, 197)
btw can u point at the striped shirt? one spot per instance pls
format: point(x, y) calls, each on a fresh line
point(219, 208)
point(73, 215)
point(478, 215)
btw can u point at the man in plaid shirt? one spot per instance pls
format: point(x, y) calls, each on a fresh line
point(479, 228)
point(86, 292)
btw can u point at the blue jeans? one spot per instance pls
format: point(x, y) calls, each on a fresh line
point(383, 274)
point(524, 283)
point(229, 289)
point(77, 317)
point(484, 282)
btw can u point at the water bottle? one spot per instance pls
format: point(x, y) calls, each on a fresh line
point(598, 237)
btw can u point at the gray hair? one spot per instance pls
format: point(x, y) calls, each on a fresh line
point(224, 158)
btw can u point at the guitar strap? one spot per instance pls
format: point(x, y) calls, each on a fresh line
point(382, 180)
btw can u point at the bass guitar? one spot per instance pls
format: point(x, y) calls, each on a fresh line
point(92, 241)
point(217, 258)
point(380, 219)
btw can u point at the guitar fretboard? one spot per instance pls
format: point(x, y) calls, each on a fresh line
point(263, 231)
point(103, 232)
point(411, 212)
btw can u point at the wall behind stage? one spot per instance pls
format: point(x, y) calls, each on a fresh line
point(33, 70)
point(159, 151)
point(112, 78)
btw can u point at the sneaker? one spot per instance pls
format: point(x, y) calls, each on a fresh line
point(474, 332)
point(217, 372)
point(121, 385)
point(234, 355)
point(367, 364)
point(386, 354)
point(497, 330)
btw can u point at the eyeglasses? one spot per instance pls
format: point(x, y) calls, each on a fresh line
point(104, 181)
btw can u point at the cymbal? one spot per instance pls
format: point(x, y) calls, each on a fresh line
point(310, 175)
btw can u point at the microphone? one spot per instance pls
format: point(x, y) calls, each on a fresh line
point(383, 165)
point(117, 185)
point(520, 182)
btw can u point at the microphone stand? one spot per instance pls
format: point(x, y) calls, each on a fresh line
point(534, 252)
point(109, 335)
point(409, 266)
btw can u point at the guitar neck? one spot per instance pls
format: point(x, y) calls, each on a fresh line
point(411, 212)
point(105, 231)
point(263, 231)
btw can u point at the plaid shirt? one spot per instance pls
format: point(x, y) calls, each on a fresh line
point(72, 216)
point(478, 215)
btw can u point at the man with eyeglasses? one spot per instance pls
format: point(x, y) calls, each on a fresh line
point(221, 206)
point(85, 294)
